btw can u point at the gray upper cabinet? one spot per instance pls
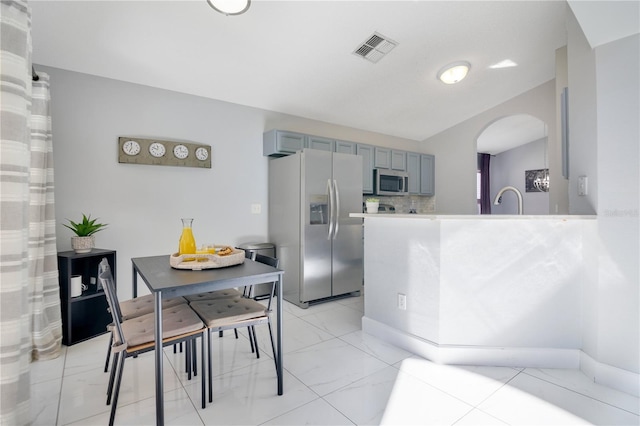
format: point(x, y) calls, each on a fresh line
point(367, 154)
point(278, 143)
point(427, 174)
point(321, 144)
point(382, 159)
point(345, 147)
point(398, 160)
point(413, 168)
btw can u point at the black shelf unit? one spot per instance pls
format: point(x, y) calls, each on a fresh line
point(85, 316)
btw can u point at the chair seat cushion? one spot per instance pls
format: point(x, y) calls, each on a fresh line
point(143, 305)
point(213, 295)
point(221, 312)
point(176, 320)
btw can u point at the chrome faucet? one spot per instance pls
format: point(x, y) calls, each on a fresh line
point(498, 199)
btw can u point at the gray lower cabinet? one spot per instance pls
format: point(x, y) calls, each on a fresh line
point(427, 174)
point(278, 143)
point(367, 154)
point(321, 144)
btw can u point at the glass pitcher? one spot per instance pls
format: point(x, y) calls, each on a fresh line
point(187, 241)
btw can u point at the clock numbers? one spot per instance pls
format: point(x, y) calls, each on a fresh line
point(181, 152)
point(202, 154)
point(157, 149)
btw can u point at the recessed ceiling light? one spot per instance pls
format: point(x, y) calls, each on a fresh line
point(230, 7)
point(454, 73)
point(507, 63)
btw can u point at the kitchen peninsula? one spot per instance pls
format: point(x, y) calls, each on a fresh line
point(482, 290)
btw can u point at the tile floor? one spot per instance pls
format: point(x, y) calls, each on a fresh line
point(334, 375)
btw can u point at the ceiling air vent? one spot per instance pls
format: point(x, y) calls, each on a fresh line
point(375, 47)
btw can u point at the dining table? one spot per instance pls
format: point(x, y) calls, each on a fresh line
point(166, 282)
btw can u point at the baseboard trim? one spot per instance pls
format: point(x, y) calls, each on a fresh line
point(603, 374)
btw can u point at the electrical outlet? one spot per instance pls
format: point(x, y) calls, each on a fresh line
point(402, 302)
point(256, 208)
point(582, 185)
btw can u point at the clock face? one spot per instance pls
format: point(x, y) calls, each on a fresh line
point(131, 148)
point(202, 154)
point(181, 152)
point(157, 149)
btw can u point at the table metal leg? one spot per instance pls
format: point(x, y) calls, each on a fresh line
point(134, 281)
point(279, 328)
point(159, 356)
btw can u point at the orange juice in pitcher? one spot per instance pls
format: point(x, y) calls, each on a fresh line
point(187, 240)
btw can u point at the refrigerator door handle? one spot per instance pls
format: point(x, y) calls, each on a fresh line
point(336, 195)
point(331, 207)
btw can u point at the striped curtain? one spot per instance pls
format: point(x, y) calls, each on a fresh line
point(27, 298)
point(44, 292)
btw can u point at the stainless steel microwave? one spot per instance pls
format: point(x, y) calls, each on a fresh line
point(390, 182)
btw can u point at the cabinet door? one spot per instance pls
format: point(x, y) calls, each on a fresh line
point(366, 152)
point(278, 143)
point(398, 160)
point(382, 158)
point(427, 174)
point(345, 147)
point(322, 144)
point(413, 168)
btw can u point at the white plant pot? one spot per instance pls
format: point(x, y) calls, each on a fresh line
point(83, 244)
point(372, 207)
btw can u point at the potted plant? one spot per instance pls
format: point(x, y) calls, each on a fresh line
point(84, 241)
point(372, 205)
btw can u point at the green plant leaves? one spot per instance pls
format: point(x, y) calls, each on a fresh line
point(85, 228)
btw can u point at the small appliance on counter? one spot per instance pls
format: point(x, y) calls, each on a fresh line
point(382, 208)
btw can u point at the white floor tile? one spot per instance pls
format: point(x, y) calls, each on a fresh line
point(330, 365)
point(529, 400)
point(413, 402)
point(334, 374)
point(297, 334)
point(84, 395)
point(576, 381)
point(365, 401)
point(249, 396)
point(470, 384)
point(479, 418)
point(42, 371)
point(317, 412)
point(86, 356)
point(45, 397)
point(179, 410)
point(338, 321)
point(376, 347)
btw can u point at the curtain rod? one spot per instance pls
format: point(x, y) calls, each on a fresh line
point(34, 74)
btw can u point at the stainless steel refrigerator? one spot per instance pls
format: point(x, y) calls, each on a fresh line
point(320, 248)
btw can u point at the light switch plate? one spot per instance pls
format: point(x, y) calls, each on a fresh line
point(256, 208)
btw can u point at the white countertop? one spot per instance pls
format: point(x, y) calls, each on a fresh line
point(471, 216)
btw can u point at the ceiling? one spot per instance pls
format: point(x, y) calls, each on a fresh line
point(295, 57)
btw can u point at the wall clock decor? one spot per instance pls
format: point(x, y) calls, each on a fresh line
point(134, 150)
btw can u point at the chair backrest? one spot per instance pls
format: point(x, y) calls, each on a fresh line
point(104, 266)
point(106, 279)
point(271, 261)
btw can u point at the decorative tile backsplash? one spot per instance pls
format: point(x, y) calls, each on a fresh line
point(423, 205)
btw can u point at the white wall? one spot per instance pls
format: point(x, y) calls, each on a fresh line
point(604, 134)
point(508, 168)
point(143, 204)
point(456, 154)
